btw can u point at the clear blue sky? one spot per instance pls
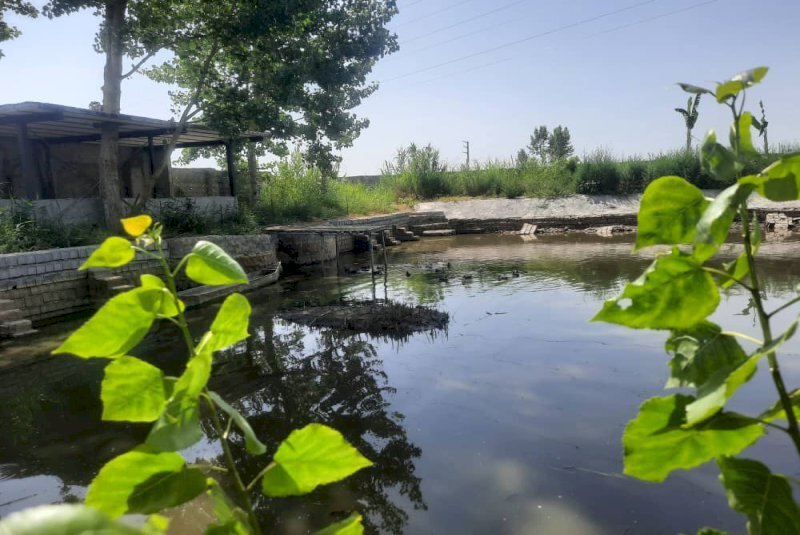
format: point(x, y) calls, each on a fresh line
point(610, 80)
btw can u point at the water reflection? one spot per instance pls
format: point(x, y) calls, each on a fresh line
point(510, 423)
point(324, 377)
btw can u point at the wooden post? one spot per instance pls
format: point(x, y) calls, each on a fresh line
point(31, 186)
point(231, 167)
point(151, 153)
point(385, 267)
point(338, 268)
point(371, 264)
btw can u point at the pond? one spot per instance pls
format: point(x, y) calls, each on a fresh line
point(509, 421)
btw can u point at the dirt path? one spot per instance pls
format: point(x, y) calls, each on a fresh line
point(574, 206)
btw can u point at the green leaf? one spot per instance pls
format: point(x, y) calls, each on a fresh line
point(113, 252)
point(776, 412)
point(117, 327)
point(741, 81)
point(132, 391)
point(674, 293)
point(669, 211)
point(717, 160)
point(166, 489)
point(699, 353)
point(119, 479)
point(693, 89)
point(63, 519)
point(349, 526)
point(765, 498)
point(656, 443)
point(209, 264)
point(195, 377)
point(780, 181)
point(745, 135)
point(231, 520)
point(168, 307)
point(178, 427)
point(713, 394)
point(738, 270)
point(230, 325)
point(312, 456)
point(156, 525)
point(711, 531)
point(715, 223)
point(252, 444)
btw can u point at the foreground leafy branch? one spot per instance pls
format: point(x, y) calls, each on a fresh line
point(678, 292)
point(154, 476)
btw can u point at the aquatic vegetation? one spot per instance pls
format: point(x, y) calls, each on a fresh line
point(679, 291)
point(154, 476)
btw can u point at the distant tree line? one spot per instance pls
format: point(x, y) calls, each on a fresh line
point(545, 146)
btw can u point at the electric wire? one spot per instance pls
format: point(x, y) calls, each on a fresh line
point(524, 39)
point(617, 28)
point(479, 16)
point(432, 13)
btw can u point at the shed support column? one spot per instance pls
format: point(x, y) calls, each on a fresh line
point(231, 167)
point(31, 186)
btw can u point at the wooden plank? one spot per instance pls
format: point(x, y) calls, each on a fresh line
point(31, 186)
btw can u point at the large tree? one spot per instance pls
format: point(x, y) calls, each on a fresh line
point(292, 68)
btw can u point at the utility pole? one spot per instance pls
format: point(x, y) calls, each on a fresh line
point(466, 151)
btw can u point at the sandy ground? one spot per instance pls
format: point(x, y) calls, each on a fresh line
point(574, 206)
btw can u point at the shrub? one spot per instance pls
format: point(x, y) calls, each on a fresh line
point(598, 173)
point(634, 177)
point(417, 172)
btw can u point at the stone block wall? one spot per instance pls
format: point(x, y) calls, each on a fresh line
point(305, 248)
point(47, 284)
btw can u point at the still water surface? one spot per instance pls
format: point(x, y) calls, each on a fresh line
point(508, 422)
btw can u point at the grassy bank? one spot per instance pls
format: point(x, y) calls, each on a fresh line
point(291, 191)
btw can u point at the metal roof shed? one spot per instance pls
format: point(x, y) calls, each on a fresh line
point(53, 124)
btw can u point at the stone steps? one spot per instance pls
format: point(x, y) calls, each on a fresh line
point(402, 234)
point(12, 321)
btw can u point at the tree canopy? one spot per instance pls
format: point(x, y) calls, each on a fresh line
point(292, 68)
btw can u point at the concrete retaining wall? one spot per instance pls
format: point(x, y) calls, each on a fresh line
point(474, 226)
point(46, 284)
point(90, 210)
point(305, 248)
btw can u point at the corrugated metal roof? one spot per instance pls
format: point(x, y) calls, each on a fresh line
point(64, 124)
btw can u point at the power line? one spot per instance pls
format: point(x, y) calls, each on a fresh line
point(525, 39)
point(443, 28)
point(412, 3)
point(624, 26)
point(432, 13)
point(661, 16)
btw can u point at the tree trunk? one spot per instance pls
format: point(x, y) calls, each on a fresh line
point(766, 143)
point(110, 191)
point(688, 140)
point(252, 168)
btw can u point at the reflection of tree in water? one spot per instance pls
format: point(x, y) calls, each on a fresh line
point(341, 384)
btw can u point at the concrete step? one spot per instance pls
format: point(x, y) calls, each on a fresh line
point(407, 237)
point(7, 304)
point(20, 334)
point(442, 232)
point(121, 288)
point(15, 327)
point(10, 315)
